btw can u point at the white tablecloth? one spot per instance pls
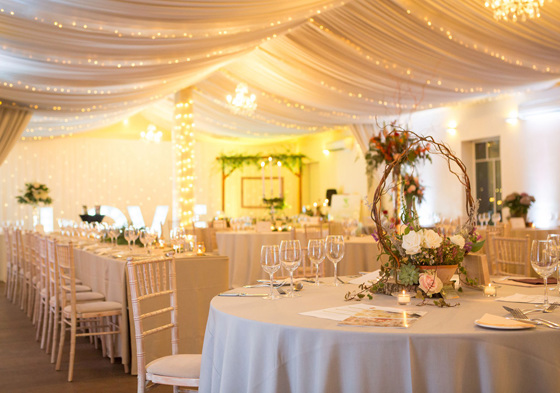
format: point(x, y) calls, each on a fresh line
point(255, 345)
point(199, 278)
point(244, 249)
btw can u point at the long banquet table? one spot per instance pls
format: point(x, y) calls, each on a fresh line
point(244, 248)
point(255, 345)
point(199, 278)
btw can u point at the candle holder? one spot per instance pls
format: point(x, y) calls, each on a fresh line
point(490, 290)
point(403, 297)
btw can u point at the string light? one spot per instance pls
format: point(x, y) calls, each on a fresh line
point(183, 144)
point(515, 9)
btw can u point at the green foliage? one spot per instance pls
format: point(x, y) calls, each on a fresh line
point(232, 162)
point(35, 194)
point(408, 274)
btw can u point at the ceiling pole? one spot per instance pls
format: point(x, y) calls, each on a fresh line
point(183, 158)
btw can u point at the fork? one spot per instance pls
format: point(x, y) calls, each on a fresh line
point(550, 308)
point(520, 316)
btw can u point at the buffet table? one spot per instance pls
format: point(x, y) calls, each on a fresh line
point(256, 345)
point(244, 249)
point(199, 278)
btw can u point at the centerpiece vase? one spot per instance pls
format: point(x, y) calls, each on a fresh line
point(443, 272)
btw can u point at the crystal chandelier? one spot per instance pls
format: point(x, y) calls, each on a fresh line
point(515, 9)
point(242, 103)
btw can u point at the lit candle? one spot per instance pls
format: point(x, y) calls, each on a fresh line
point(262, 174)
point(279, 179)
point(489, 290)
point(403, 298)
point(271, 181)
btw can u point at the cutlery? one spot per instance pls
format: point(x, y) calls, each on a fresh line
point(297, 287)
point(550, 308)
point(266, 285)
point(518, 315)
point(242, 294)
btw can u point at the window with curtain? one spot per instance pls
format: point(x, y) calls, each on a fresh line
point(488, 175)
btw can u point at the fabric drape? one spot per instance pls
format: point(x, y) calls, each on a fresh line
point(12, 123)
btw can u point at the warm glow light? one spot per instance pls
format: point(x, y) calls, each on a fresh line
point(513, 118)
point(242, 103)
point(513, 10)
point(452, 127)
point(326, 152)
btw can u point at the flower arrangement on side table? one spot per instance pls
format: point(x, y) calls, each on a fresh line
point(418, 258)
point(519, 204)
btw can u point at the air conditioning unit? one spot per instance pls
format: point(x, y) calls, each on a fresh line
point(341, 144)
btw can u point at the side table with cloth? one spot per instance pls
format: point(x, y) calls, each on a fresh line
point(255, 345)
point(199, 278)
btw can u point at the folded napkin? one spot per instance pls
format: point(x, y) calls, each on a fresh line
point(490, 320)
point(534, 281)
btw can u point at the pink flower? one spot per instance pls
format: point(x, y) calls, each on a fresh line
point(411, 189)
point(429, 283)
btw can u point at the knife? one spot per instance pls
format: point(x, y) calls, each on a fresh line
point(243, 294)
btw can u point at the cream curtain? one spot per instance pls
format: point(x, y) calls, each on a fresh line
point(12, 123)
point(313, 64)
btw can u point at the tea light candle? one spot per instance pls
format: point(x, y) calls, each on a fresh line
point(200, 249)
point(403, 298)
point(489, 290)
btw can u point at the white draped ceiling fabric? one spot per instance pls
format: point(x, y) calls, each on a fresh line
point(313, 64)
point(12, 123)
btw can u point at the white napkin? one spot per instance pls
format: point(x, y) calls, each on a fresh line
point(495, 320)
point(533, 299)
point(373, 276)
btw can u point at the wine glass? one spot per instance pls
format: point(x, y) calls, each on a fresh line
point(190, 242)
point(290, 257)
point(496, 218)
point(316, 253)
point(130, 234)
point(335, 252)
point(145, 239)
point(543, 260)
point(270, 262)
point(555, 239)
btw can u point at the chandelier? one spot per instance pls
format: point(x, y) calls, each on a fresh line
point(242, 103)
point(515, 9)
point(153, 135)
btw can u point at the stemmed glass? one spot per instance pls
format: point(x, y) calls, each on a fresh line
point(290, 257)
point(114, 233)
point(555, 239)
point(270, 262)
point(335, 252)
point(130, 234)
point(145, 239)
point(544, 262)
point(316, 253)
point(496, 218)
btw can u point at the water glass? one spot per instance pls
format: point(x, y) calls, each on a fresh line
point(544, 262)
point(270, 262)
point(290, 258)
point(555, 239)
point(335, 252)
point(130, 234)
point(316, 253)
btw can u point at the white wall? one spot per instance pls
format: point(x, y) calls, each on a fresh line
point(529, 155)
point(87, 171)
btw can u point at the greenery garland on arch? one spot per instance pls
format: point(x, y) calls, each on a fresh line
point(231, 162)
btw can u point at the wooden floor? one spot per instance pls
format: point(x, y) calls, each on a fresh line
point(24, 367)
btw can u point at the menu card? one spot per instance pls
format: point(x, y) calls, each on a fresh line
point(366, 315)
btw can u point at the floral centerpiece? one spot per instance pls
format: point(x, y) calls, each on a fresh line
point(418, 258)
point(519, 204)
point(35, 194)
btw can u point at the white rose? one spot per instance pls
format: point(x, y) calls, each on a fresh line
point(458, 240)
point(412, 242)
point(430, 239)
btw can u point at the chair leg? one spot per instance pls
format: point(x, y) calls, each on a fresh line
point(39, 318)
point(50, 331)
point(46, 323)
point(61, 346)
point(56, 325)
point(30, 299)
point(72, 351)
point(36, 305)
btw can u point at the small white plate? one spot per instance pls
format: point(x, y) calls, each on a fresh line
point(504, 327)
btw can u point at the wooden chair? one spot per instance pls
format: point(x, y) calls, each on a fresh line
point(512, 256)
point(95, 318)
point(311, 231)
point(84, 294)
point(42, 295)
point(8, 233)
point(491, 232)
point(153, 291)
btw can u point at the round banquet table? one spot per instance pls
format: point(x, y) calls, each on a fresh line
point(256, 345)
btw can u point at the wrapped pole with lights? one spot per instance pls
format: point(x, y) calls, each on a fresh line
point(183, 147)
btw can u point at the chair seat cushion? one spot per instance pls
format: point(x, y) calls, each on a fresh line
point(79, 288)
point(82, 297)
point(179, 366)
point(92, 307)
